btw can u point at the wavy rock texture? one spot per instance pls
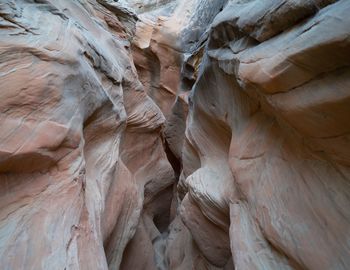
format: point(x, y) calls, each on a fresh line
point(176, 134)
point(267, 121)
point(81, 148)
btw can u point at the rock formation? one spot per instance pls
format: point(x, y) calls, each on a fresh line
point(175, 134)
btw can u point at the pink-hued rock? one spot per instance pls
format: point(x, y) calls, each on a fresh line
point(276, 113)
point(79, 141)
point(174, 135)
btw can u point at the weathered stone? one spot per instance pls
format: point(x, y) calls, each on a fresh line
point(174, 134)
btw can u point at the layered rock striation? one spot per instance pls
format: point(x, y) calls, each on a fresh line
point(175, 134)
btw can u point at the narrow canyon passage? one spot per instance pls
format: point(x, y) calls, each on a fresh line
point(174, 135)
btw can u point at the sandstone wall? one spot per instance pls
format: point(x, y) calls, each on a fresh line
point(175, 134)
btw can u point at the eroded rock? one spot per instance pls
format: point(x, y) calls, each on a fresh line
point(174, 135)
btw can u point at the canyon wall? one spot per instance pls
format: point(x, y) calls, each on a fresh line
point(175, 134)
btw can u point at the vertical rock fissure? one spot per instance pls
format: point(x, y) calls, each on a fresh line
point(163, 220)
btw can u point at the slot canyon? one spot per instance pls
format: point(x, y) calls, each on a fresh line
point(175, 134)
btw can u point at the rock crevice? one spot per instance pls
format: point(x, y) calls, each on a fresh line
point(174, 134)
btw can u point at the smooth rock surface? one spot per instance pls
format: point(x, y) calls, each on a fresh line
point(175, 134)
